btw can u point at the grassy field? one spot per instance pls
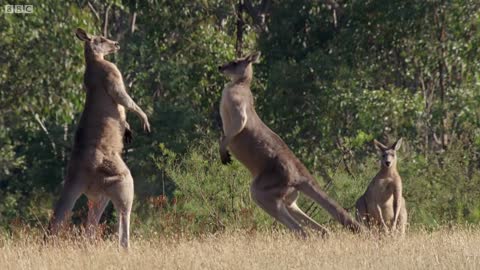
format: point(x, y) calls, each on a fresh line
point(443, 249)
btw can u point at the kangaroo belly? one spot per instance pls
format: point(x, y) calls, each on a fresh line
point(102, 124)
point(111, 135)
point(104, 133)
point(250, 151)
point(387, 213)
point(382, 209)
point(95, 165)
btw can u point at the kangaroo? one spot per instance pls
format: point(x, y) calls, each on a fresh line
point(382, 205)
point(277, 174)
point(96, 167)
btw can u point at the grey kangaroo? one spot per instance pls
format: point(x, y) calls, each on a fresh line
point(382, 205)
point(277, 174)
point(96, 167)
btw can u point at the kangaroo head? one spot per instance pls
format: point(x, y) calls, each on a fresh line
point(240, 69)
point(97, 45)
point(388, 154)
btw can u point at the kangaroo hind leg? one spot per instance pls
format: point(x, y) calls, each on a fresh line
point(361, 213)
point(96, 208)
point(119, 188)
point(298, 214)
point(270, 201)
point(121, 194)
point(313, 191)
point(402, 219)
point(72, 190)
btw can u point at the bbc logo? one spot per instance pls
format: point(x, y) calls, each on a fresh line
point(18, 8)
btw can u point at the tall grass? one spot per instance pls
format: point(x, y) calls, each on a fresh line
point(211, 197)
point(442, 249)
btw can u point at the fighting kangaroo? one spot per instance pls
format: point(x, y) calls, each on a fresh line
point(277, 174)
point(383, 205)
point(96, 167)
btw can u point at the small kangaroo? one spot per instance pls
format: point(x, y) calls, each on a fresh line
point(383, 205)
point(277, 174)
point(96, 167)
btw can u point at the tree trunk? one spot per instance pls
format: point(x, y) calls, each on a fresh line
point(240, 24)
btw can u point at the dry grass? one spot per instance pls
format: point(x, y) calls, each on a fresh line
point(445, 249)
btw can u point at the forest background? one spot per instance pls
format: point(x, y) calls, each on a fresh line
point(334, 75)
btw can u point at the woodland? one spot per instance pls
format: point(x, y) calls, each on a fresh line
point(333, 76)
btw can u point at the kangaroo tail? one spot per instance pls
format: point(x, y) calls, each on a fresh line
point(312, 190)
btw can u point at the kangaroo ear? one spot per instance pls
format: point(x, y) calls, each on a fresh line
point(254, 57)
point(82, 35)
point(397, 144)
point(380, 146)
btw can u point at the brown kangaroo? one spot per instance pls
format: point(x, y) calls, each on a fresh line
point(277, 174)
point(382, 205)
point(96, 167)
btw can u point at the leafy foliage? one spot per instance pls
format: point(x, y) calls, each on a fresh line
point(331, 79)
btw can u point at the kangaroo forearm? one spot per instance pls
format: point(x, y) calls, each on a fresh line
point(398, 206)
point(120, 96)
point(225, 141)
point(397, 202)
point(234, 130)
point(138, 111)
point(128, 103)
point(224, 155)
point(237, 120)
point(380, 214)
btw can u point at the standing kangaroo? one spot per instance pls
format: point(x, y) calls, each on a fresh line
point(383, 205)
point(96, 167)
point(277, 174)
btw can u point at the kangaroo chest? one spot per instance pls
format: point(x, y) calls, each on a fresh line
point(381, 191)
point(224, 114)
point(229, 94)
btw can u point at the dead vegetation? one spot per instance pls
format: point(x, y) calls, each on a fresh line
point(443, 249)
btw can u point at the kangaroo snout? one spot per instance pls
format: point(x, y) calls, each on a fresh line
point(117, 45)
point(388, 163)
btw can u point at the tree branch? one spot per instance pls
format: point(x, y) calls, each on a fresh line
point(332, 3)
point(345, 153)
point(132, 22)
point(337, 10)
point(45, 130)
point(94, 11)
point(257, 13)
point(105, 20)
point(240, 24)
